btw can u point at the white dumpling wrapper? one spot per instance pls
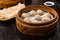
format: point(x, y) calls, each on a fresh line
point(32, 13)
point(37, 17)
point(39, 11)
point(24, 15)
point(45, 19)
point(47, 15)
point(27, 20)
point(36, 21)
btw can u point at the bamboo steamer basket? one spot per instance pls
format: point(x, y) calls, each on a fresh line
point(8, 3)
point(37, 29)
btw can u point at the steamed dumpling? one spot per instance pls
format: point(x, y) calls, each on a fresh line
point(32, 13)
point(35, 21)
point(37, 17)
point(47, 15)
point(2, 15)
point(39, 11)
point(27, 20)
point(24, 15)
point(45, 19)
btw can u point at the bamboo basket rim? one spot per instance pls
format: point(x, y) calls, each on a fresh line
point(10, 3)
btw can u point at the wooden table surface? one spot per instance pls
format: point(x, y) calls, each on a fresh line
point(8, 31)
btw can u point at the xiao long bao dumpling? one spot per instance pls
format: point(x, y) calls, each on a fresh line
point(45, 19)
point(47, 15)
point(39, 11)
point(24, 15)
point(27, 20)
point(36, 21)
point(33, 13)
point(37, 16)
